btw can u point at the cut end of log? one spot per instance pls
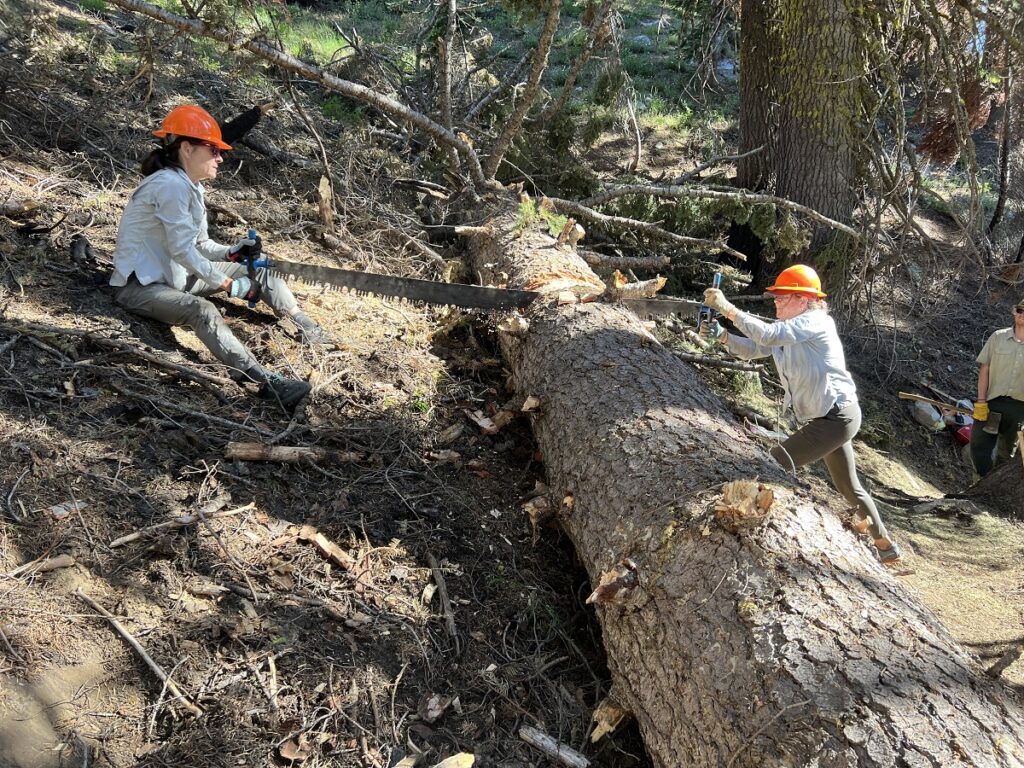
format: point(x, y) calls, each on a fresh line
point(608, 716)
point(744, 505)
point(617, 584)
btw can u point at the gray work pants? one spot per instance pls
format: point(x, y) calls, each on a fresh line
point(829, 438)
point(191, 309)
point(982, 443)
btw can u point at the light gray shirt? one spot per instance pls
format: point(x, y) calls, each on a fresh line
point(163, 235)
point(808, 355)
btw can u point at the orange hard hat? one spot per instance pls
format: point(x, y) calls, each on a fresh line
point(798, 279)
point(192, 122)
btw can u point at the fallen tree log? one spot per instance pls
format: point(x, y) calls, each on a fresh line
point(1002, 489)
point(779, 642)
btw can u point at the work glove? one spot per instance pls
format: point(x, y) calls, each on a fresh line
point(711, 332)
point(246, 246)
point(244, 288)
point(714, 298)
point(980, 411)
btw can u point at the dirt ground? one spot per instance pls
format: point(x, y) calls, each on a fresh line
point(390, 600)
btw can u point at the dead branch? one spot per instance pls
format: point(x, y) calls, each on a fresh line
point(446, 603)
point(289, 63)
point(328, 548)
point(713, 162)
point(553, 749)
point(288, 454)
point(595, 259)
point(605, 221)
point(44, 566)
point(1010, 655)
point(182, 521)
point(715, 362)
point(497, 90)
point(159, 402)
point(597, 37)
point(540, 63)
point(157, 669)
point(740, 196)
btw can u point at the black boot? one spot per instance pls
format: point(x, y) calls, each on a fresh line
point(273, 386)
point(311, 333)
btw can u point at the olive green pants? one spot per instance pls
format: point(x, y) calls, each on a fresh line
point(191, 308)
point(829, 438)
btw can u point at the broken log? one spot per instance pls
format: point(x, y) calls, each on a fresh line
point(768, 638)
point(1002, 489)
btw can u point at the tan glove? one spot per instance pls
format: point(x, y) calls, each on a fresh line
point(714, 298)
point(980, 411)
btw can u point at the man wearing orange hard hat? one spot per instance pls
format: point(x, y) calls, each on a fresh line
point(165, 264)
point(812, 366)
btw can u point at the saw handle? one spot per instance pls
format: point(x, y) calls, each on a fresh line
point(706, 314)
point(252, 253)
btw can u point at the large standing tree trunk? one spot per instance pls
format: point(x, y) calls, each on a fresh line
point(817, 65)
point(753, 171)
point(786, 644)
point(800, 77)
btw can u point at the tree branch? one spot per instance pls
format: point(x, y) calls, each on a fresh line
point(741, 196)
point(540, 62)
point(361, 93)
point(651, 230)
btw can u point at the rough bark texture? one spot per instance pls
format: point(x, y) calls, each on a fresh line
point(817, 60)
point(786, 645)
point(752, 171)
point(1002, 489)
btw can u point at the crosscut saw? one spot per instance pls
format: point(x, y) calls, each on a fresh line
point(448, 294)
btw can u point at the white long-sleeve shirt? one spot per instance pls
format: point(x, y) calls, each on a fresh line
point(808, 355)
point(163, 235)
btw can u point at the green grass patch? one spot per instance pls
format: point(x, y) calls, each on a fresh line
point(96, 6)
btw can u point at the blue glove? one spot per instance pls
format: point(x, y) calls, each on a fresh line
point(246, 246)
point(712, 331)
point(244, 288)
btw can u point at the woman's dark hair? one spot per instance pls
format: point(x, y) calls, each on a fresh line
point(165, 156)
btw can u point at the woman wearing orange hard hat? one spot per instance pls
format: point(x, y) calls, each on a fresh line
point(809, 357)
point(166, 264)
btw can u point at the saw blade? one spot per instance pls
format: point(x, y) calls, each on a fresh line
point(661, 307)
point(410, 288)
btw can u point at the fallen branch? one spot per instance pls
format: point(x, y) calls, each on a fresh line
point(157, 669)
point(42, 566)
point(595, 259)
point(182, 521)
point(446, 603)
point(328, 548)
point(498, 90)
point(555, 750)
point(36, 330)
point(713, 162)
point(171, 406)
point(580, 211)
point(287, 454)
point(715, 362)
point(739, 196)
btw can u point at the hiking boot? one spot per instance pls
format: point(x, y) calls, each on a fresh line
point(273, 386)
point(310, 333)
point(890, 556)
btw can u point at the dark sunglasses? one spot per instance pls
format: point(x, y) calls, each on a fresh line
point(214, 150)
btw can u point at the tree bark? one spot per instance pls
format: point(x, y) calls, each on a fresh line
point(1002, 489)
point(817, 60)
point(781, 644)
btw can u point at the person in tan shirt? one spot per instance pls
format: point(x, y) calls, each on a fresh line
point(1000, 390)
